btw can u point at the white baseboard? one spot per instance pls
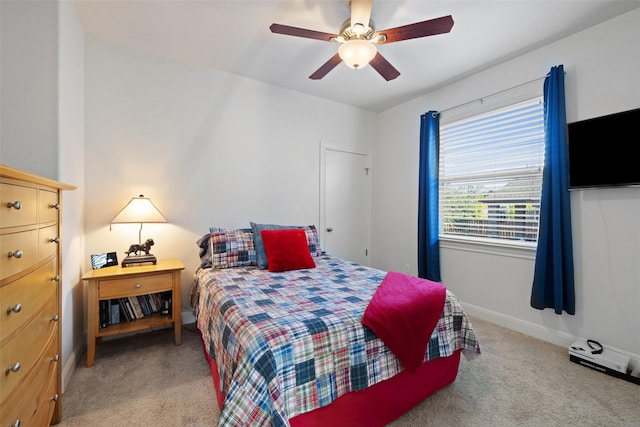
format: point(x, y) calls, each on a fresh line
point(70, 364)
point(545, 334)
point(187, 317)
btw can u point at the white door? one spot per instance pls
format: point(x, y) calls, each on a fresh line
point(345, 203)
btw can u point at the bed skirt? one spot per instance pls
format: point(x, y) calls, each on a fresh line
point(377, 405)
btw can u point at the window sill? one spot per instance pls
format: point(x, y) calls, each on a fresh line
point(515, 249)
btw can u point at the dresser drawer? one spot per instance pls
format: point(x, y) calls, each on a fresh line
point(26, 297)
point(48, 206)
point(40, 388)
point(140, 285)
point(18, 251)
point(11, 216)
point(21, 352)
point(47, 241)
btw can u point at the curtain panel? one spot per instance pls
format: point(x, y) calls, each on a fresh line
point(428, 198)
point(553, 281)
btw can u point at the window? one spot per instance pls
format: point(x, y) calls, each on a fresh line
point(491, 174)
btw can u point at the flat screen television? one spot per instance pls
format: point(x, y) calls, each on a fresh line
point(603, 151)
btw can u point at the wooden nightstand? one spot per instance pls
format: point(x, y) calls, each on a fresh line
point(117, 284)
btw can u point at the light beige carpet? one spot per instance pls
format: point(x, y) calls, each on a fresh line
point(146, 380)
point(142, 380)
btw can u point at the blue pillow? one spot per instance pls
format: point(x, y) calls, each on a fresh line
point(258, 243)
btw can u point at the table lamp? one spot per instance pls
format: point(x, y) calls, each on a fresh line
point(139, 210)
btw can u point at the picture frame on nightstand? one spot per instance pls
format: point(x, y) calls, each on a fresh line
point(106, 259)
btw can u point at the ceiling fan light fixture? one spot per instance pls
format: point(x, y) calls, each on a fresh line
point(357, 53)
point(359, 29)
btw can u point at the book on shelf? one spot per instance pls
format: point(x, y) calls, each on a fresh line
point(152, 304)
point(126, 309)
point(115, 312)
point(124, 313)
point(130, 310)
point(153, 300)
point(143, 304)
point(136, 307)
point(149, 300)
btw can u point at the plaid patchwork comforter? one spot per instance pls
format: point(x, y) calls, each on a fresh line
point(288, 343)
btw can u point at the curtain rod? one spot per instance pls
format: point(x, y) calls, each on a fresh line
point(481, 99)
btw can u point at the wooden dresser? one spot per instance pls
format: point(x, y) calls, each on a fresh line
point(30, 296)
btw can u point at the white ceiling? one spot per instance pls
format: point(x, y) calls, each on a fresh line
point(234, 36)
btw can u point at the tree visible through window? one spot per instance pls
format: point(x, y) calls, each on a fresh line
point(491, 174)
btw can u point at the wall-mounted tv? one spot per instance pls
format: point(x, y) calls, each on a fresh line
point(603, 151)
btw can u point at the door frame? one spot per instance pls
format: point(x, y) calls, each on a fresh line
point(324, 148)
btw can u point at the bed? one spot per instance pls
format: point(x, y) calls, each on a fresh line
point(289, 347)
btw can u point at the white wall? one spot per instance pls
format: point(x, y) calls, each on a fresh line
point(71, 170)
point(29, 84)
point(209, 149)
point(602, 76)
point(42, 130)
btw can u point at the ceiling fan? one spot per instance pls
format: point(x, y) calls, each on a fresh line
point(358, 39)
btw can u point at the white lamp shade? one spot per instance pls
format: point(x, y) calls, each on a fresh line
point(139, 210)
point(357, 53)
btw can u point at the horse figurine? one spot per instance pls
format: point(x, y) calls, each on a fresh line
point(145, 247)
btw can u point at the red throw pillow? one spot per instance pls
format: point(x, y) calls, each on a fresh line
point(287, 249)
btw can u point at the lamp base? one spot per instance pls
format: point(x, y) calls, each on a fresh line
point(132, 260)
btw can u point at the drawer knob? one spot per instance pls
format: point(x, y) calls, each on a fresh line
point(138, 285)
point(15, 309)
point(55, 318)
point(54, 205)
point(54, 240)
point(13, 368)
point(55, 278)
point(15, 205)
point(55, 358)
point(54, 398)
point(16, 254)
point(16, 423)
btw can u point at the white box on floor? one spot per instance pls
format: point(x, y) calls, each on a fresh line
point(607, 361)
point(607, 358)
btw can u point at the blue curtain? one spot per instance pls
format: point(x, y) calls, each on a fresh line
point(428, 230)
point(553, 280)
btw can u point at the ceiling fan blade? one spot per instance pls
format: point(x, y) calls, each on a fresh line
point(301, 32)
point(419, 29)
point(326, 67)
point(384, 67)
point(361, 12)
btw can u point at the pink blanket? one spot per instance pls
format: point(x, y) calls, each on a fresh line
point(403, 312)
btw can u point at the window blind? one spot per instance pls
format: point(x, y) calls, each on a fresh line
point(491, 173)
